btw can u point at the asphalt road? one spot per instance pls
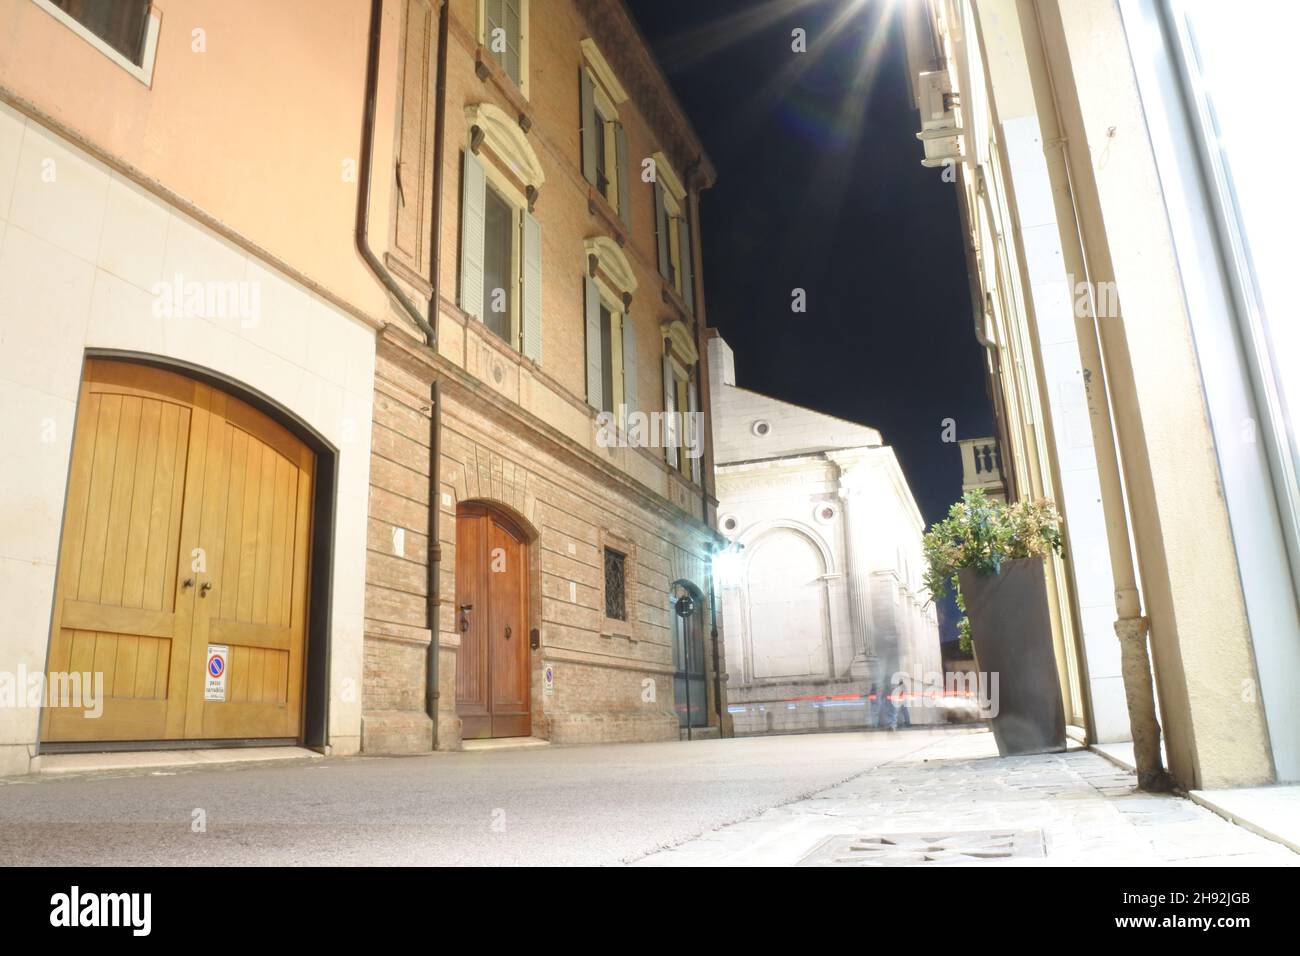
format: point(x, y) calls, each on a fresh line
point(605, 804)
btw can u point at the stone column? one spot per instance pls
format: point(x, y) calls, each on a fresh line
point(857, 518)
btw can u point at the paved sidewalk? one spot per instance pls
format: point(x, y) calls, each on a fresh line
point(956, 802)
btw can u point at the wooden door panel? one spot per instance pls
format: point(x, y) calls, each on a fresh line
point(257, 530)
point(119, 610)
point(472, 674)
point(492, 670)
point(507, 638)
point(174, 485)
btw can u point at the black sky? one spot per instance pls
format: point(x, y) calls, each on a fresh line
point(820, 187)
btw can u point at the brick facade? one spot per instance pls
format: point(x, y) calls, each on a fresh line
point(518, 434)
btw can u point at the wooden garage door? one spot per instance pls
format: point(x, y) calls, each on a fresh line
point(187, 526)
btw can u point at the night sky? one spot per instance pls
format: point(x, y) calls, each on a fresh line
point(820, 187)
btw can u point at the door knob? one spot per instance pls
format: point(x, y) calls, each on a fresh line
point(204, 588)
point(507, 632)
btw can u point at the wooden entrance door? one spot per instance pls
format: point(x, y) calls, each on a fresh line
point(187, 525)
point(492, 669)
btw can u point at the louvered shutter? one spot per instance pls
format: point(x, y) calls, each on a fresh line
point(629, 363)
point(532, 297)
point(694, 434)
point(688, 265)
point(595, 373)
point(587, 99)
point(670, 409)
point(472, 211)
point(621, 158)
point(661, 231)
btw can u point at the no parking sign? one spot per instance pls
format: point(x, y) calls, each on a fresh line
point(215, 672)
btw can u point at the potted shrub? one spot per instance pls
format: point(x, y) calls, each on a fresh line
point(990, 556)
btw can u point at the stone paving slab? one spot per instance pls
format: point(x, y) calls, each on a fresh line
point(1088, 810)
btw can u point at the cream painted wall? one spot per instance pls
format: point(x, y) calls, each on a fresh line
point(1200, 636)
point(79, 259)
point(271, 112)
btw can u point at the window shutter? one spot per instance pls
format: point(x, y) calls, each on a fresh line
point(595, 373)
point(661, 230)
point(629, 362)
point(670, 408)
point(472, 203)
point(694, 436)
point(688, 266)
point(589, 120)
point(624, 197)
point(532, 297)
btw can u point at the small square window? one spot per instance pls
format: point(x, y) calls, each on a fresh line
point(615, 584)
point(122, 24)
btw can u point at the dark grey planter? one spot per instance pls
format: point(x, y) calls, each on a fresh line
point(1012, 634)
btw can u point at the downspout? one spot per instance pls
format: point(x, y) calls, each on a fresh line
point(363, 194)
point(707, 477)
point(713, 633)
point(1131, 625)
point(434, 563)
point(991, 347)
point(434, 582)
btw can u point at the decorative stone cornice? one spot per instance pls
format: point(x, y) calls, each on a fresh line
point(680, 339)
point(612, 261)
point(603, 71)
point(507, 140)
point(665, 173)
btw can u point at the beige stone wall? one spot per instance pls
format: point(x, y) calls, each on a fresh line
point(519, 433)
point(572, 503)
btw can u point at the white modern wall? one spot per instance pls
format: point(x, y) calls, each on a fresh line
point(81, 249)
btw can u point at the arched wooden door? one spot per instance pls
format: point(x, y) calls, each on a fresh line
point(492, 668)
point(186, 532)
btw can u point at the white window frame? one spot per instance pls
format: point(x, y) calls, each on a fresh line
point(523, 41)
point(142, 72)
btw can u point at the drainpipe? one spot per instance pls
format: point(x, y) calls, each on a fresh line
point(991, 347)
point(363, 194)
point(1131, 626)
point(427, 326)
point(713, 633)
point(434, 583)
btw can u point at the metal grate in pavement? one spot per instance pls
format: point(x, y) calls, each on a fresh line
point(927, 847)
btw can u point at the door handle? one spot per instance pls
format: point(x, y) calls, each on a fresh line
point(464, 616)
point(507, 632)
point(204, 588)
point(187, 583)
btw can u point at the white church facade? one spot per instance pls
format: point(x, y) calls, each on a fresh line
point(821, 594)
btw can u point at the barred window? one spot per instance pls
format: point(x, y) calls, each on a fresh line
point(615, 584)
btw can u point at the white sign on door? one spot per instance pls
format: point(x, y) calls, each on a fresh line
point(218, 667)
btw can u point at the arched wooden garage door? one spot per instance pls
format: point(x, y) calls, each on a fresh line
point(187, 530)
